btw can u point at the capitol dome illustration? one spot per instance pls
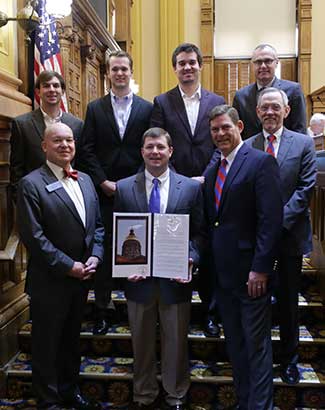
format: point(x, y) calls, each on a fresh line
point(131, 247)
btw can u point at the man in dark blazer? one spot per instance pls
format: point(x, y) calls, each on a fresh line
point(244, 212)
point(59, 223)
point(110, 150)
point(146, 297)
point(264, 62)
point(184, 112)
point(295, 154)
point(28, 129)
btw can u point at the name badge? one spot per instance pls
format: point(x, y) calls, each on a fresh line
point(54, 186)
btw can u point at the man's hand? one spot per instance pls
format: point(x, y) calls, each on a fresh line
point(108, 187)
point(77, 271)
point(90, 266)
point(136, 278)
point(190, 268)
point(257, 284)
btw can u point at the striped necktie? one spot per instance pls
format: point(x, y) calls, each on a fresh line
point(270, 146)
point(221, 176)
point(154, 200)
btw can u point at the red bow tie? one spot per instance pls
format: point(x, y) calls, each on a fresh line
point(71, 174)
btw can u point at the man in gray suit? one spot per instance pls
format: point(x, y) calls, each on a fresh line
point(295, 154)
point(265, 61)
point(28, 129)
point(148, 296)
point(59, 223)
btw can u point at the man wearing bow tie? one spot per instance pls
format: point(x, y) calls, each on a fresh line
point(244, 213)
point(59, 223)
point(295, 154)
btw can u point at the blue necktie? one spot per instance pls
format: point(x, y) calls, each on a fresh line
point(154, 201)
point(221, 176)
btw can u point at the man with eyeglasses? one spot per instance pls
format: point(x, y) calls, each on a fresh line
point(295, 154)
point(265, 61)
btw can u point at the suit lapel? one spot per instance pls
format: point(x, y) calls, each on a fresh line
point(108, 111)
point(38, 122)
point(49, 179)
point(285, 144)
point(252, 102)
point(85, 190)
point(210, 184)
point(174, 192)
point(202, 110)
point(235, 167)
point(179, 108)
point(139, 191)
point(133, 114)
point(258, 142)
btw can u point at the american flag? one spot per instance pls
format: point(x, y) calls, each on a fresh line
point(47, 48)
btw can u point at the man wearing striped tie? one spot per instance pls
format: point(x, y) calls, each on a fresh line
point(295, 155)
point(244, 214)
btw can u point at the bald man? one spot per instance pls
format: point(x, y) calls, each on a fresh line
point(59, 223)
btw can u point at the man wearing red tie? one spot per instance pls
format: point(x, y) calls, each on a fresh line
point(295, 154)
point(244, 214)
point(59, 223)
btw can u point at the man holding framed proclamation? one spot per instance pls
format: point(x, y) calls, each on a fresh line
point(176, 226)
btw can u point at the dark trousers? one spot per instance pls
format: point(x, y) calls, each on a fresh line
point(287, 289)
point(247, 327)
point(103, 283)
point(55, 343)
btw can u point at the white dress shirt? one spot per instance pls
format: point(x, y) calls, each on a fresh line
point(122, 109)
point(49, 120)
point(72, 188)
point(163, 188)
point(192, 106)
point(231, 157)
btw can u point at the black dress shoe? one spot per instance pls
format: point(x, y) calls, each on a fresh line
point(177, 407)
point(290, 374)
point(80, 403)
point(140, 406)
point(100, 327)
point(211, 328)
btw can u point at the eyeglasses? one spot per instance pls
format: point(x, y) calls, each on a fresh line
point(267, 61)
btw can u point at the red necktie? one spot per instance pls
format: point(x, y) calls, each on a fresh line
point(270, 146)
point(221, 176)
point(71, 174)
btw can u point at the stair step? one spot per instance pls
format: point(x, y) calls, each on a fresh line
point(311, 298)
point(7, 404)
point(308, 334)
point(120, 368)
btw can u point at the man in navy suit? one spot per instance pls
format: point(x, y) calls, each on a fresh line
point(27, 130)
point(265, 61)
point(295, 154)
point(244, 212)
point(146, 297)
point(110, 150)
point(184, 112)
point(59, 223)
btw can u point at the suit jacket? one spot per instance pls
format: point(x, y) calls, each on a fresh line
point(245, 102)
point(244, 232)
point(52, 231)
point(102, 153)
point(185, 197)
point(191, 152)
point(26, 136)
point(297, 162)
